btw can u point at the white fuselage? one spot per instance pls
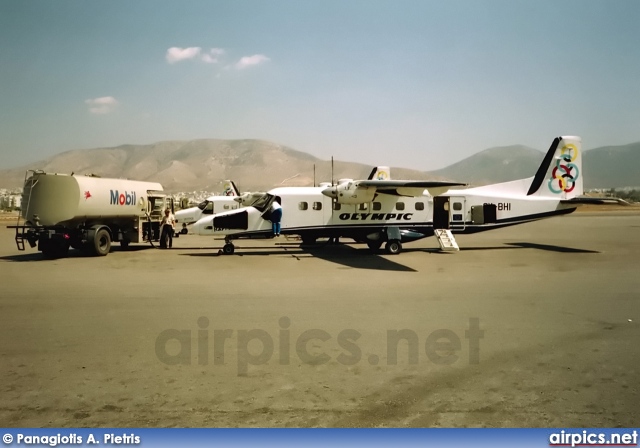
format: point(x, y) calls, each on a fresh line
point(210, 206)
point(307, 211)
point(397, 211)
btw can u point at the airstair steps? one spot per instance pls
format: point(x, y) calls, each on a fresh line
point(446, 240)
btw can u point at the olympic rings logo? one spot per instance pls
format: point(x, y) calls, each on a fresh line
point(565, 174)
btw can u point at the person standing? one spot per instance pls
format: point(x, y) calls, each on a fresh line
point(276, 217)
point(166, 229)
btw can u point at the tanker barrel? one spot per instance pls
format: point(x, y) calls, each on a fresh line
point(60, 199)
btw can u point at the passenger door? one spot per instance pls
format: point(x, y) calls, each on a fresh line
point(457, 212)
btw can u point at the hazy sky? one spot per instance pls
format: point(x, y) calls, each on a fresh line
point(419, 83)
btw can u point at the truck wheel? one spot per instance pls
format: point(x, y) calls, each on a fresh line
point(374, 244)
point(55, 249)
point(101, 243)
point(228, 249)
point(393, 247)
point(48, 249)
point(62, 250)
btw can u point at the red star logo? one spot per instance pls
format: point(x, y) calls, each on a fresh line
point(87, 195)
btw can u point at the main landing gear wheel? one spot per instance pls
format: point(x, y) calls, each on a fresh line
point(228, 249)
point(393, 247)
point(374, 245)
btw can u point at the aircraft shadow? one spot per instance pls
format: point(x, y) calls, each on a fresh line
point(357, 258)
point(37, 256)
point(516, 246)
point(553, 248)
point(336, 253)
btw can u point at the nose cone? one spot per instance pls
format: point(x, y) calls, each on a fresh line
point(185, 215)
point(331, 192)
point(203, 226)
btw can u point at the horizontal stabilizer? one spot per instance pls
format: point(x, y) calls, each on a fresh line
point(595, 201)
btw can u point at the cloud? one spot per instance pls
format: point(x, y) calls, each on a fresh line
point(102, 105)
point(249, 61)
point(212, 56)
point(176, 54)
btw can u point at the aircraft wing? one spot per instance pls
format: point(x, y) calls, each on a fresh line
point(408, 187)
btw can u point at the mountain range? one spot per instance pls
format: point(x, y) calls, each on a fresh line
point(260, 165)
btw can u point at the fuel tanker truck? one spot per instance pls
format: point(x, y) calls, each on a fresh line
point(88, 213)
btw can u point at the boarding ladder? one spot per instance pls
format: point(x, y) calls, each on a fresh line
point(446, 240)
point(20, 230)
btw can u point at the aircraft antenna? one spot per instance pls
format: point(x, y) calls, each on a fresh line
point(314, 174)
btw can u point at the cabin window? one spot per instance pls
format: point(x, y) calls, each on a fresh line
point(303, 205)
point(363, 206)
point(226, 206)
point(377, 206)
point(399, 205)
point(419, 205)
point(317, 205)
point(337, 206)
point(457, 205)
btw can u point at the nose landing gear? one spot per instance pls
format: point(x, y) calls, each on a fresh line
point(228, 248)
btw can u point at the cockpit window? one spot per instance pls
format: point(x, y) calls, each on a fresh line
point(208, 210)
point(202, 205)
point(264, 202)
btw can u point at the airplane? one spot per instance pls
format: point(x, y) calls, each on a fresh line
point(394, 212)
point(230, 199)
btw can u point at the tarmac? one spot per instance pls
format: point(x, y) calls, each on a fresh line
point(534, 325)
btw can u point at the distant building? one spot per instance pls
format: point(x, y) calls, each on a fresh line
point(10, 201)
point(16, 201)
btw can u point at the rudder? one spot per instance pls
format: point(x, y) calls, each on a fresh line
point(230, 188)
point(380, 173)
point(560, 174)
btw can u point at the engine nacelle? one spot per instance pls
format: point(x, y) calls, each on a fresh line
point(349, 193)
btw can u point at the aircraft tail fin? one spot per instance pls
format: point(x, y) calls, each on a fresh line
point(380, 173)
point(230, 188)
point(560, 173)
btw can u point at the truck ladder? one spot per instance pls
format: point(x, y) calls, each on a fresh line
point(446, 240)
point(20, 239)
point(20, 230)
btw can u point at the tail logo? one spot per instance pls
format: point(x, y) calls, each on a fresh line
point(228, 190)
point(565, 174)
point(382, 175)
